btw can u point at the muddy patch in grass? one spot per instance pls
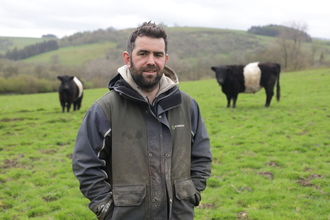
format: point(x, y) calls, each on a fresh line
point(307, 183)
point(272, 164)
point(242, 216)
point(267, 174)
point(48, 151)
point(12, 163)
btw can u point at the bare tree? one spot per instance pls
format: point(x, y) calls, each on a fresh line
point(290, 42)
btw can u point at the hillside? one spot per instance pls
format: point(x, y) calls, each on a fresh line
point(74, 55)
point(185, 43)
point(9, 43)
point(96, 56)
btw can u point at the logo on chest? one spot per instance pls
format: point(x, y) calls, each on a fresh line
point(177, 126)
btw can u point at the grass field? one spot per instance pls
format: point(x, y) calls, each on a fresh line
point(74, 55)
point(268, 163)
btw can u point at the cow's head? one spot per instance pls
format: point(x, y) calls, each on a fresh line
point(221, 73)
point(66, 81)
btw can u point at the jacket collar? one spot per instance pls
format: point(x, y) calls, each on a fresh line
point(169, 95)
point(167, 82)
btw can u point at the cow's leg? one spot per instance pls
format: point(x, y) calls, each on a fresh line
point(234, 100)
point(228, 100)
point(68, 107)
point(63, 106)
point(269, 95)
point(79, 101)
point(269, 88)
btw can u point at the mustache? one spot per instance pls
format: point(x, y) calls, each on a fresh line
point(150, 68)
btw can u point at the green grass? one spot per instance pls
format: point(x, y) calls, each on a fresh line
point(261, 154)
point(268, 163)
point(74, 55)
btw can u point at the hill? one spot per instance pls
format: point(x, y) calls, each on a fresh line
point(9, 43)
point(95, 56)
point(185, 42)
point(74, 55)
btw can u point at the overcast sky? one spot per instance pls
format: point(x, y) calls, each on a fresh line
point(34, 18)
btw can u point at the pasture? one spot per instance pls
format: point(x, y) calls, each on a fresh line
point(74, 55)
point(268, 163)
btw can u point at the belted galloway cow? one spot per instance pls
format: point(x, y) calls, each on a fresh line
point(249, 78)
point(70, 91)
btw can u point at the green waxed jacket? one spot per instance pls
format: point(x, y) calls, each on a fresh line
point(140, 161)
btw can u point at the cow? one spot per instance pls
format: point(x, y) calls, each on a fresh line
point(70, 91)
point(249, 78)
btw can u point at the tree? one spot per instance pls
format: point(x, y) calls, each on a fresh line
point(290, 42)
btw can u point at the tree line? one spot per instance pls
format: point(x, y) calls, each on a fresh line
point(89, 37)
point(31, 50)
point(276, 30)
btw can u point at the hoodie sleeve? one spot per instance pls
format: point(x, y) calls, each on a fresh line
point(201, 156)
point(87, 165)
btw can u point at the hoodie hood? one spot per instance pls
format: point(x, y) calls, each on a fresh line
point(168, 80)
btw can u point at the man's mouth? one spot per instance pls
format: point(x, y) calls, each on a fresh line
point(150, 70)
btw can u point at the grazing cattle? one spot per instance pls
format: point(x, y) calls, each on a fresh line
point(70, 91)
point(235, 79)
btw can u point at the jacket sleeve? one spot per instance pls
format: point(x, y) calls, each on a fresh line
point(201, 156)
point(86, 163)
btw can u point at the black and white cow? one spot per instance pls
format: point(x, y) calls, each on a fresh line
point(249, 78)
point(70, 91)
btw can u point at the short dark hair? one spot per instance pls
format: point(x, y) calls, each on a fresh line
point(146, 29)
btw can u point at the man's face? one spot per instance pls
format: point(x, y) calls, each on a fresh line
point(147, 62)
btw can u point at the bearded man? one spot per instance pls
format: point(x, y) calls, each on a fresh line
point(142, 151)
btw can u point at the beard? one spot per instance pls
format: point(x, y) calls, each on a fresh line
point(146, 83)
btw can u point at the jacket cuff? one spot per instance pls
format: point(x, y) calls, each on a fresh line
point(100, 208)
point(198, 198)
point(200, 183)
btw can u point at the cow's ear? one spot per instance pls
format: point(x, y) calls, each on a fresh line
point(71, 77)
point(59, 78)
point(213, 68)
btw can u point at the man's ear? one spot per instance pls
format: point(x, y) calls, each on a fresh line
point(126, 58)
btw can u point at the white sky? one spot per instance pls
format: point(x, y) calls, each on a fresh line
point(34, 18)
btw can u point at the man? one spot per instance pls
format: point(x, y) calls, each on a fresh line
point(142, 151)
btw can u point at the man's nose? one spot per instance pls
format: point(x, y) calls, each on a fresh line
point(151, 60)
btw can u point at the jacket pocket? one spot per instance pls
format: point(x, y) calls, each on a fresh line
point(184, 189)
point(184, 199)
point(128, 195)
